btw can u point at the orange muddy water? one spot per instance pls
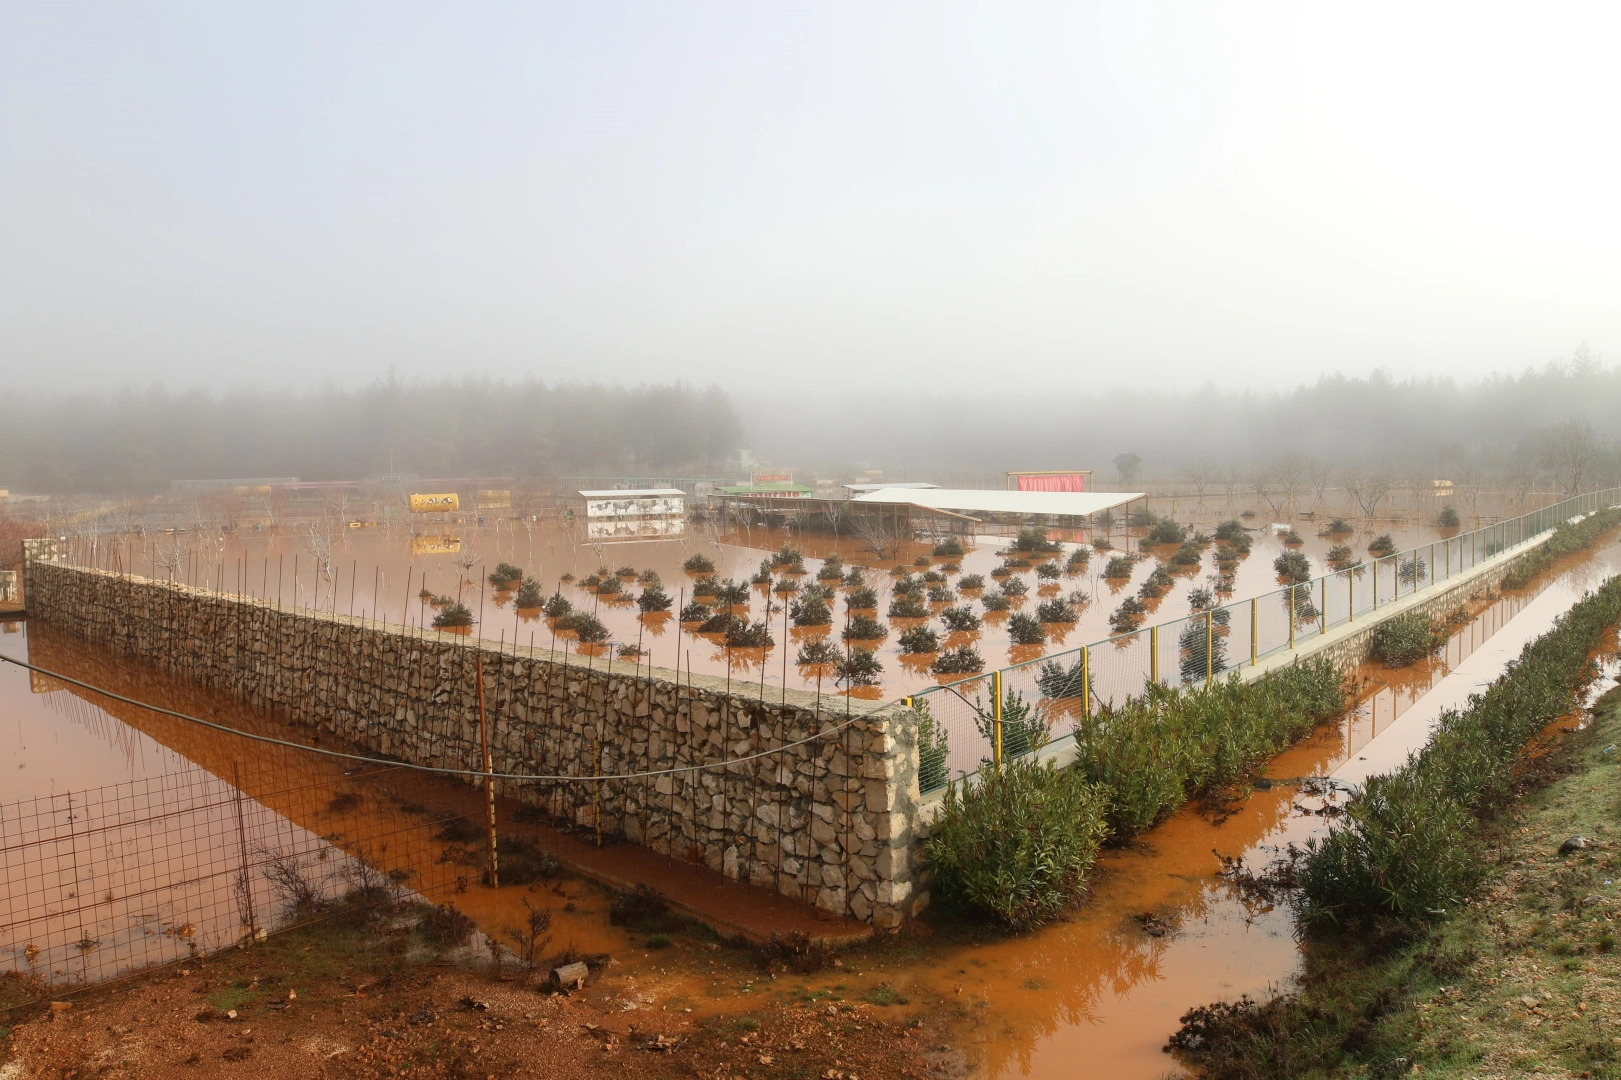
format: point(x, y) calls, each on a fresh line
point(1097, 994)
point(381, 573)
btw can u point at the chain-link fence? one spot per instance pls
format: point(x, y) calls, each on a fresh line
point(1038, 698)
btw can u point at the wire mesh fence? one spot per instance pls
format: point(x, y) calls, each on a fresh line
point(1041, 695)
point(105, 882)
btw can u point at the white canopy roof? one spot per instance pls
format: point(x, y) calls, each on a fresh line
point(1068, 503)
point(880, 487)
point(632, 493)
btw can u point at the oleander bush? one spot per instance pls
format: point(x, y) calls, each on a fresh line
point(1406, 639)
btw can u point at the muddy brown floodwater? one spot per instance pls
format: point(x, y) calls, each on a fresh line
point(380, 573)
point(1159, 933)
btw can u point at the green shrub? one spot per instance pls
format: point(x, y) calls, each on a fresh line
point(1232, 529)
point(1055, 681)
point(812, 611)
point(1293, 537)
point(1381, 546)
point(1405, 639)
point(939, 594)
point(654, 598)
point(832, 569)
point(1336, 527)
point(588, 629)
point(996, 601)
point(1152, 752)
point(933, 577)
point(820, 651)
point(1023, 629)
point(649, 577)
point(708, 585)
point(1014, 586)
point(961, 617)
point(1002, 571)
point(1413, 569)
point(1567, 539)
point(1189, 554)
point(855, 578)
point(786, 586)
point(557, 605)
point(1293, 566)
point(625, 572)
point(1339, 557)
point(1118, 568)
point(919, 639)
point(698, 563)
point(949, 548)
point(609, 586)
point(908, 606)
point(865, 628)
point(1449, 519)
point(530, 595)
point(1128, 616)
point(456, 615)
point(1404, 847)
point(787, 557)
point(1156, 584)
point(1035, 541)
point(859, 668)
point(1077, 561)
point(733, 593)
point(695, 612)
point(963, 660)
point(1017, 843)
point(1166, 531)
point(932, 748)
point(746, 635)
point(505, 576)
point(970, 581)
point(1202, 647)
point(1049, 571)
point(862, 598)
point(1056, 610)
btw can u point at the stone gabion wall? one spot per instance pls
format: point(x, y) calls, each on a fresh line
point(827, 815)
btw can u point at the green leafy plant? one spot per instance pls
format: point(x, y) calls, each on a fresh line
point(862, 598)
point(855, 578)
point(587, 628)
point(1340, 557)
point(818, 651)
point(654, 598)
point(557, 605)
point(1049, 571)
point(1293, 538)
point(939, 594)
point(860, 667)
point(1231, 529)
point(698, 563)
point(1405, 639)
point(963, 660)
point(706, 586)
point(609, 586)
point(865, 628)
point(1413, 569)
point(456, 615)
point(1188, 554)
point(1023, 629)
point(1035, 541)
point(1567, 539)
point(788, 556)
point(969, 582)
point(625, 572)
point(746, 635)
point(996, 601)
point(960, 618)
point(1018, 843)
point(1293, 566)
point(649, 577)
point(1202, 646)
point(812, 611)
point(832, 569)
point(1156, 584)
point(932, 748)
point(1118, 568)
point(1381, 546)
point(949, 548)
point(919, 639)
point(933, 577)
point(695, 612)
point(530, 595)
point(1056, 610)
point(908, 606)
point(1166, 531)
point(1128, 616)
point(921, 560)
point(1077, 561)
point(1449, 518)
point(505, 576)
point(1014, 586)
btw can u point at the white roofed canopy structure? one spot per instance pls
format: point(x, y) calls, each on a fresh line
point(1033, 503)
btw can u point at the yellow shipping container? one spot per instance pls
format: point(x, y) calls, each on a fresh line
point(434, 504)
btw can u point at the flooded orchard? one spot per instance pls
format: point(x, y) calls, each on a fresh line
point(1159, 932)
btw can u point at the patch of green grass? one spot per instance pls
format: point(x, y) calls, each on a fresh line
point(234, 996)
point(885, 996)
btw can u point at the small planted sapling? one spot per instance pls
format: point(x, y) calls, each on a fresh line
point(1293, 566)
point(919, 640)
point(964, 660)
point(970, 582)
point(1128, 616)
point(1056, 610)
point(1118, 568)
point(960, 618)
point(860, 668)
point(865, 628)
point(1382, 546)
point(1023, 629)
point(698, 563)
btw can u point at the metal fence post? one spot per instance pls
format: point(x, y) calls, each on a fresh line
point(1254, 634)
point(1086, 680)
point(1209, 647)
point(1153, 654)
point(1322, 616)
point(996, 717)
point(1291, 615)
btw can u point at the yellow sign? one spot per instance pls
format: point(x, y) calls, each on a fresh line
point(435, 545)
point(434, 504)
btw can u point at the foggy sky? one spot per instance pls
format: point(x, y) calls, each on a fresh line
point(786, 196)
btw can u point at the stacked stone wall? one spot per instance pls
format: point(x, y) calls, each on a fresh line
point(815, 799)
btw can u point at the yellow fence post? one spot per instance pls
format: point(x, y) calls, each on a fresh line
point(1255, 637)
point(1291, 615)
point(996, 716)
point(1086, 680)
point(1153, 654)
point(1350, 596)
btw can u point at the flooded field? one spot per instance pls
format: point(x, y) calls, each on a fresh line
point(397, 577)
point(1159, 934)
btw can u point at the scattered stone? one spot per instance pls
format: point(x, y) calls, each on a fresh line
point(1574, 843)
point(571, 976)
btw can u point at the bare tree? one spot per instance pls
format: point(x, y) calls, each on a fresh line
point(1289, 475)
point(1201, 474)
point(1467, 479)
point(1265, 487)
point(1320, 475)
point(1367, 489)
point(1519, 478)
point(319, 538)
point(1570, 451)
point(1232, 478)
point(881, 530)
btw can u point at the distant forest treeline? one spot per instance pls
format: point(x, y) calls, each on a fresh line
point(1495, 424)
point(138, 440)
